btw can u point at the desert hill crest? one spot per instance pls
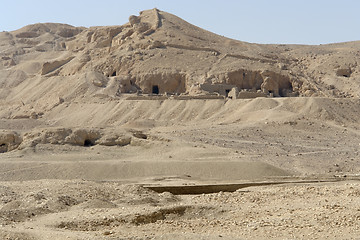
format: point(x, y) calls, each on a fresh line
point(157, 52)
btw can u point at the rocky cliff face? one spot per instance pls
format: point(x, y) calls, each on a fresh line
point(157, 53)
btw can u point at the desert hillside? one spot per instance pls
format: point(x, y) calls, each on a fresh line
point(157, 49)
point(158, 129)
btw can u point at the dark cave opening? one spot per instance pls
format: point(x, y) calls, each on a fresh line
point(227, 92)
point(88, 143)
point(155, 89)
point(3, 148)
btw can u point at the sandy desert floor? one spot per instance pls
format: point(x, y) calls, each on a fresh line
point(101, 192)
point(79, 209)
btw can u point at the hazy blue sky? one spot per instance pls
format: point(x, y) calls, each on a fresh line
point(260, 21)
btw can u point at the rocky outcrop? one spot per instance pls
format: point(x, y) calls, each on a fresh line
point(45, 136)
point(115, 139)
point(270, 86)
point(9, 141)
point(275, 83)
point(27, 35)
point(160, 83)
point(234, 93)
point(61, 136)
point(146, 26)
point(344, 72)
point(104, 37)
point(266, 81)
point(157, 53)
point(83, 137)
point(68, 32)
point(52, 66)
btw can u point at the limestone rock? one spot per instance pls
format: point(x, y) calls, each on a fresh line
point(27, 35)
point(156, 44)
point(67, 32)
point(9, 140)
point(44, 136)
point(234, 92)
point(159, 83)
point(83, 137)
point(134, 20)
point(115, 140)
point(60, 136)
point(141, 27)
point(51, 66)
point(139, 134)
point(270, 86)
point(344, 72)
point(276, 83)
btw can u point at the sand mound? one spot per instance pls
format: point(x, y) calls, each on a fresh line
point(164, 112)
point(138, 171)
point(44, 197)
point(12, 235)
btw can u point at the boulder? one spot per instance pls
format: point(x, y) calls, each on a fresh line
point(344, 72)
